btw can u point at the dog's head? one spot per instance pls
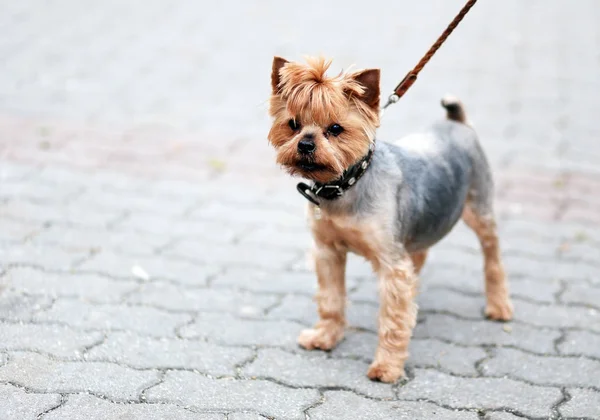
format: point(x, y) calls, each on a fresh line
point(321, 125)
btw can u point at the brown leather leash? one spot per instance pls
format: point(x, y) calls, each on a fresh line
point(411, 76)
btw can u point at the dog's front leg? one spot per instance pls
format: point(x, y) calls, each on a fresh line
point(397, 318)
point(331, 300)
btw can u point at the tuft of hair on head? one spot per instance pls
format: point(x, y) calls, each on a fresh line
point(454, 109)
point(308, 87)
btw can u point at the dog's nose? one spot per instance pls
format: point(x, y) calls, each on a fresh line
point(306, 145)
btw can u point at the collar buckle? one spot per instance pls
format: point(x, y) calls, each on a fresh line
point(307, 192)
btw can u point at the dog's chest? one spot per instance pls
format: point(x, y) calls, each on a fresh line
point(347, 234)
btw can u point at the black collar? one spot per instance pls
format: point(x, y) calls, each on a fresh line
point(335, 189)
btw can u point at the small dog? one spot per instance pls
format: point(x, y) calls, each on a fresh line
point(388, 203)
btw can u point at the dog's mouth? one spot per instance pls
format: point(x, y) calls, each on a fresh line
point(309, 166)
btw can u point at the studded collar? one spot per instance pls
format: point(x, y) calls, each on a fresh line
point(335, 189)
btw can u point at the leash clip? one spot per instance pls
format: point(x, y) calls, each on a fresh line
point(391, 100)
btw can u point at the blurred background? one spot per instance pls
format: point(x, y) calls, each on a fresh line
point(152, 251)
point(527, 71)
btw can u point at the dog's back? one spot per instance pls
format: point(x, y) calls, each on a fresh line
point(439, 168)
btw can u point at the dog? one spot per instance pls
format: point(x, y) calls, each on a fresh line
point(389, 202)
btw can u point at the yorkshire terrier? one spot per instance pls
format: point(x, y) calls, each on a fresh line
point(389, 202)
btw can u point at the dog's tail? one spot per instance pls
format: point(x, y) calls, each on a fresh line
point(454, 109)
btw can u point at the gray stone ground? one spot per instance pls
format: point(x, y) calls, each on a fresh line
point(152, 254)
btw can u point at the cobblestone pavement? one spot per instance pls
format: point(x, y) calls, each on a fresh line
point(152, 257)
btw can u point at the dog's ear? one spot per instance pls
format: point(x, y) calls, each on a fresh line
point(369, 80)
point(278, 64)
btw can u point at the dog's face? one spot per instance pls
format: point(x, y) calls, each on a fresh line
point(321, 125)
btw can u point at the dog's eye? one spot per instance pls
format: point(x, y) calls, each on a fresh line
point(294, 125)
point(335, 129)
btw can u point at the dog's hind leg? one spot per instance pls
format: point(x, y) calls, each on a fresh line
point(478, 214)
point(498, 305)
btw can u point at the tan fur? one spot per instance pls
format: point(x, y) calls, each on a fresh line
point(498, 306)
point(337, 235)
point(330, 265)
point(304, 105)
point(418, 260)
point(304, 93)
point(397, 318)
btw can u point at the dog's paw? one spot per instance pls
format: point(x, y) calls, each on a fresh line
point(499, 311)
point(385, 372)
point(321, 338)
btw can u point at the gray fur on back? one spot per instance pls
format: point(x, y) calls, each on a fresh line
point(418, 185)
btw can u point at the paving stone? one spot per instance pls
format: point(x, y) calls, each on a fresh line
point(543, 370)
point(53, 339)
point(17, 404)
point(526, 245)
point(298, 239)
point(453, 256)
point(207, 252)
point(582, 294)
point(119, 265)
point(139, 319)
point(85, 286)
point(49, 257)
point(555, 316)
point(15, 306)
point(17, 230)
point(539, 291)
point(435, 386)
point(313, 369)
point(575, 232)
point(104, 180)
point(465, 279)
point(345, 405)
point(177, 187)
point(365, 291)
point(558, 316)
point(356, 266)
point(304, 309)
point(584, 403)
point(273, 282)
point(181, 228)
point(537, 269)
point(41, 374)
point(431, 277)
point(144, 353)
point(88, 407)
point(251, 214)
point(499, 415)
point(245, 416)
point(59, 213)
point(168, 296)
point(267, 281)
point(535, 290)
point(146, 152)
point(264, 397)
point(423, 353)
point(12, 171)
point(451, 301)
point(581, 343)
point(144, 202)
point(131, 243)
point(36, 192)
point(224, 328)
point(477, 333)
